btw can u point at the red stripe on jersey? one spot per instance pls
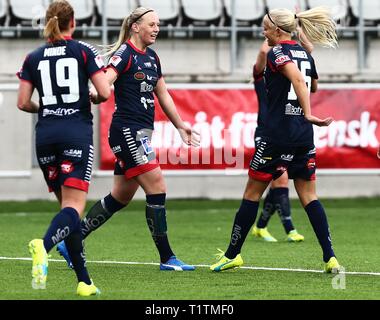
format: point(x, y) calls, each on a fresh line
point(77, 184)
point(128, 65)
point(136, 171)
point(135, 48)
point(260, 176)
point(288, 42)
point(84, 54)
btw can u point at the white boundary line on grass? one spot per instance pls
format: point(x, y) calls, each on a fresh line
point(204, 265)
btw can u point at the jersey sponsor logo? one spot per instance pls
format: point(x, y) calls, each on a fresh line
point(135, 59)
point(55, 51)
point(298, 54)
point(148, 64)
point(145, 102)
point(52, 173)
point(47, 159)
point(73, 153)
point(145, 142)
point(99, 62)
point(115, 60)
point(151, 78)
point(139, 75)
point(287, 157)
point(145, 87)
point(292, 110)
point(67, 167)
point(60, 112)
point(282, 59)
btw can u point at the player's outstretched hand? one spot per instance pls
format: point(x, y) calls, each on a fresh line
point(189, 136)
point(320, 122)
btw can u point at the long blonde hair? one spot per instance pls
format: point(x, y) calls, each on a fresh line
point(125, 32)
point(58, 17)
point(317, 24)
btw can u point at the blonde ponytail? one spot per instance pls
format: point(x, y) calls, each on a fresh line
point(317, 24)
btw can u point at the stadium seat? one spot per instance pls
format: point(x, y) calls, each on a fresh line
point(371, 11)
point(339, 8)
point(3, 11)
point(84, 12)
point(168, 10)
point(288, 4)
point(247, 12)
point(201, 13)
point(27, 13)
point(116, 12)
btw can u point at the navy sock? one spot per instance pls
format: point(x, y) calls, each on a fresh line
point(74, 245)
point(268, 210)
point(282, 205)
point(99, 213)
point(156, 220)
point(244, 220)
point(60, 227)
point(318, 220)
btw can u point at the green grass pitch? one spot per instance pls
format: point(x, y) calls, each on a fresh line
point(196, 229)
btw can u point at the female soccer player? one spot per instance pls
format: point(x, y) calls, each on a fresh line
point(277, 198)
point(135, 71)
point(287, 143)
point(60, 71)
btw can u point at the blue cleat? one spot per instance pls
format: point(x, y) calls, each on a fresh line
point(174, 264)
point(62, 250)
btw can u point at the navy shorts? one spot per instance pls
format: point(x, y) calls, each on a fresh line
point(68, 164)
point(132, 149)
point(270, 161)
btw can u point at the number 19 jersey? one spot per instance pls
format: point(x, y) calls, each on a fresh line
point(60, 72)
point(285, 122)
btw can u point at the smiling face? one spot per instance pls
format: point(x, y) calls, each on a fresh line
point(270, 32)
point(148, 28)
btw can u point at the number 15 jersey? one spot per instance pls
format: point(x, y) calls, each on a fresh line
point(60, 72)
point(285, 121)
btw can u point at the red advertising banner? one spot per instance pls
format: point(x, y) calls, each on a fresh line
point(227, 118)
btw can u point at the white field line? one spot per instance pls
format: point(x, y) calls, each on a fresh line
point(203, 266)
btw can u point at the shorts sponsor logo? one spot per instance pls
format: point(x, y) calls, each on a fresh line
point(287, 157)
point(139, 75)
point(311, 163)
point(73, 153)
point(145, 142)
point(116, 149)
point(67, 167)
point(52, 173)
point(47, 159)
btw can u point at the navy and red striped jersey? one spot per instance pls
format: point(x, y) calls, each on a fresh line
point(60, 72)
point(285, 122)
point(138, 74)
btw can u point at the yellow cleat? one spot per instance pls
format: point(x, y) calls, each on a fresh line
point(224, 263)
point(39, 263)
point(263, 233)
point(332, 266)
point(86, 290)
point(294, 236)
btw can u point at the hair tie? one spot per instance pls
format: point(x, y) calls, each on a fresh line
point(295, 16)
point(55, 17)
